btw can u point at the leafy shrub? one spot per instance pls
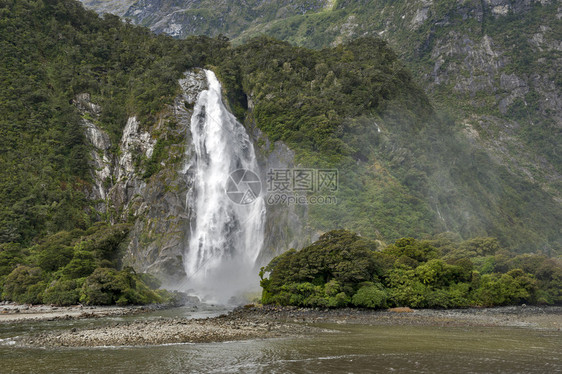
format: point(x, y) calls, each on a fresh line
point(370, 297)
point(10, 256)
point(101, 288)
point(62, 293)
point(104, 243)
point(515, 287)
point(459, 295)
point(480, 246)
point(82, 265)
point(437, 298)
point(340, 300)
point(108, 286)
point(405, 289)
point(24, 285)
point(53, 258)
point(73, 266)
point(340, 259)
point(419, 251)
point(150, 280)
point(54, 251)
point(437, 273)
point(342, 268)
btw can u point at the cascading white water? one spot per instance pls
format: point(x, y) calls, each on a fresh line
point(227, 211)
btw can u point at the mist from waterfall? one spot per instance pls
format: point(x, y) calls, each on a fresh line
point(227, 229)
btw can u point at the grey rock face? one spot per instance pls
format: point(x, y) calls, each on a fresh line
point(286, 226)
point(101, 160)
point(84, 103)
point(117, 178)
point(129, 184)
point(117, 7)
point(161, 230)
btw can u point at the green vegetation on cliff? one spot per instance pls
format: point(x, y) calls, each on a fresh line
point(405, 169)
point(51, 51)
point(490, 168)
point(51, 249)
point(343, 269)
point(493, 63)
point(75, 267)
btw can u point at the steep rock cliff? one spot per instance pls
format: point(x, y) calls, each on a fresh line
point(160, 233)
point(157, 204)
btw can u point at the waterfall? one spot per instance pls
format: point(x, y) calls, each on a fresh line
point(226, 207)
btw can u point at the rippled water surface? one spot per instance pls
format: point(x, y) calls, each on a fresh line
point(344, 349)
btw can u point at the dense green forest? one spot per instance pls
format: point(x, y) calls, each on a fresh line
point(491, 66)
point(76, 266)
point(51, 248)
point(343, 269)
point(404, 168)
point(354, 107)
point(50, 52)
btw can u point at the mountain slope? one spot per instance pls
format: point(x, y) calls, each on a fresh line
point(492, 63)
point(210, 17)
point(405, 168)
point(117, 8)
point(51, 53)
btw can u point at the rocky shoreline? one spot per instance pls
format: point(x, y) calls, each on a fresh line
point(260, 322)
point(21, 313)
point(228, 327)
point(170, 331)
point(542, 317)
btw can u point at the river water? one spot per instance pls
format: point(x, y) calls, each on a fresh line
point(341, 349)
